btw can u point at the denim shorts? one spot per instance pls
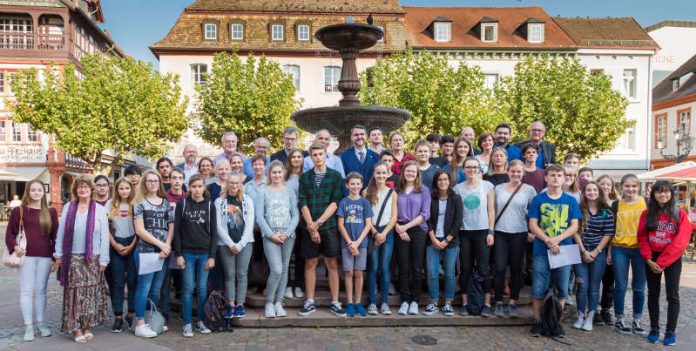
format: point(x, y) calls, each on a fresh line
point(351, 262)
point(543, 276)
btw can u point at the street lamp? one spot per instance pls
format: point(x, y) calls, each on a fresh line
point(684, 144)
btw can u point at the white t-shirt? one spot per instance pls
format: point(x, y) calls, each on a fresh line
point(514, 219)
point(440, 228)
point(475, 205)
point(386, 215)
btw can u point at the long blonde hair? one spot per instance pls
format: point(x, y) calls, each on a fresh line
point(240, 193)
point(143, 187)
point(117, 201)
point(45, 223)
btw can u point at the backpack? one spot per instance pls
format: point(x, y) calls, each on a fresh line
point(474, 292)
point(213, 312)
point(551, 313)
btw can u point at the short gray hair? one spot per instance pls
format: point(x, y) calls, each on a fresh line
point(226, 134)
point(290, 130)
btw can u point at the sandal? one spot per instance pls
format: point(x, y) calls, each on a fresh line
point(89, 336)
point(80, 339)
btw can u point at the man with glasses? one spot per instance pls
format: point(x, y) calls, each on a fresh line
point(289, 143)
point(190, 164)
point(547, 151)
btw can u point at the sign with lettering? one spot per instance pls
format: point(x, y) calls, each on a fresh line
point(22, 153)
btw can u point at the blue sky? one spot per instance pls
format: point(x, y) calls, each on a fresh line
point(137, 24)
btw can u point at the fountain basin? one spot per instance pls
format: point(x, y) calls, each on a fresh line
point(349, 36)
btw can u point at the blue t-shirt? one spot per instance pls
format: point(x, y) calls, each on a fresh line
point(554, 217)
point(354, 213)
point(540, 159)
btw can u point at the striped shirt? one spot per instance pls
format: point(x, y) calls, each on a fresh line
point(597, 226)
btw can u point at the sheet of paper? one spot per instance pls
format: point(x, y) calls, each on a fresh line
point(570, 254)
point(149, 262)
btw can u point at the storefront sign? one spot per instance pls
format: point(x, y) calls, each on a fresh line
point(22, 153)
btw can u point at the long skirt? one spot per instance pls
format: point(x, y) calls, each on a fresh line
point(85, 297)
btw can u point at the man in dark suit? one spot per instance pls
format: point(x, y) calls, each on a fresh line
point(359, 158)
point(547, 151)
point(289, 142)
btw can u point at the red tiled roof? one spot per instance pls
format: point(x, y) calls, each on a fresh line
point(465, 19)
point(333, 6)
point(622, 32)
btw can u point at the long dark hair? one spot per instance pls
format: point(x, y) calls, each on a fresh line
point(654, 209)
point(602, 205)
point(435, 189)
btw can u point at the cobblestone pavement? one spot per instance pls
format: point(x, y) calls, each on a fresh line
point(363, 339)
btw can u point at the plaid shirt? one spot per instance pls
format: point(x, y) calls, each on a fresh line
point(317, 199)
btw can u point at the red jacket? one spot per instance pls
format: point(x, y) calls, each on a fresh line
point(670, 239)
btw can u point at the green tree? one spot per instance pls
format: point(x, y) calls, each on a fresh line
point(113, 103)
point(581, 111)
point(440, 97)
point(253, 98)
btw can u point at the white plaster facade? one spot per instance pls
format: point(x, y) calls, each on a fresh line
point(677, 42)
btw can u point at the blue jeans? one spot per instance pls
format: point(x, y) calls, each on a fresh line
point(449, 260)
point(379, 260)
point(543, 276)
point(194, 275)
point(122, 273)
point(149, 286)
point(589, 278)
point(621, 258)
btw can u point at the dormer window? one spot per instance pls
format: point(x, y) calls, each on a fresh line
point(675, 84)
point(442, 29)
point(303, 32)
point(535, 31)
point(237, 31)
point(489, 30)
point(210, 31)
point(381, 27)
point(277, 32)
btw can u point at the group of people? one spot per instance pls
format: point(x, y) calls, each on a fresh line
point(489, 211)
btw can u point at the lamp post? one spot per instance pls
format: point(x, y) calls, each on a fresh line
point(684, 144)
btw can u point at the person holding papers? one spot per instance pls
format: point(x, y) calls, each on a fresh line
point(595, 233)
point(553, 219)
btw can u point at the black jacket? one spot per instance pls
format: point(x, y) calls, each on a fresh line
point(548, 151)
point(282, 156)
point(454, 214)
point(195, 227)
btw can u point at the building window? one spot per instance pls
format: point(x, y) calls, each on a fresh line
point(489, 32)
point(597, 71)
point(443, 31)
point(627, 142)
point(210, 31)
point(684, 120)
point(277, 32)
point(294, 71)
point(630, 83)
point(490, 80)
point(198, 73)
point(332, 74)
point(17, 132)
point(675, 84)
point(3, 130)
point(383, 33)
point(237, 31)
point(660, 131)
point(302, 32)
point(2, 82)
point(31, 134)
point(536, 33)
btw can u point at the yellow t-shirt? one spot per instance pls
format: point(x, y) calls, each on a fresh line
point(627, 223)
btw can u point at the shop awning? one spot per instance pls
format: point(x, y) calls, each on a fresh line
point(21, 174)
point(686, 174)
point(658, 173)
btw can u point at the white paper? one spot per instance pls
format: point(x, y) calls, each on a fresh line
point(570, 254)
point(149, 262)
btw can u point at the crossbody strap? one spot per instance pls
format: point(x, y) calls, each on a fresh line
point(508, 203)
point(384, 204)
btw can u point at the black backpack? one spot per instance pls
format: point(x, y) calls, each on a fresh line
point(213, 312)
point(551, 313)
point(474, 293)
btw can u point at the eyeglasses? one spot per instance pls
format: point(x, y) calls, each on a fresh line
point(471, 167)
point(663, 192)
point(152, 181)
point(538, 130)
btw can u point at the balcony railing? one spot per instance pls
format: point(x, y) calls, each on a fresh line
point(32, 41)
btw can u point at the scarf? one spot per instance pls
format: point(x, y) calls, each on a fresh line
point(68, 238)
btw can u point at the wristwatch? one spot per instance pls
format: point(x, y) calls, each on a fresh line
point(320, 223)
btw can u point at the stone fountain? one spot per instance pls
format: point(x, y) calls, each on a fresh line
point(349, 39)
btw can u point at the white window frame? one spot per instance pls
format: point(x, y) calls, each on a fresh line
point(331, 84)
point(685, 120)
point(303, 32)
point(384, 33)
point(276, 29)
point(3, 129)
point(210, 31)
point(295, 72)
point(629, 80)
point(17, 132)
point(240, 31)
point(32, 135)
point(485, 26)
point(661, 130)
point(675, 84)
point(442, 32)
point(535, 33)
point(490, 80)
point(198, 75)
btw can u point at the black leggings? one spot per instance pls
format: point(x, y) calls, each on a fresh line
point(410, 256)
point(296, 280)
point(672, 274)
point(509, 250)
point(607, 301)
point(473, 250)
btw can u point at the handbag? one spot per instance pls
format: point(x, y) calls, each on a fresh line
point(12, 260)
point(154, 319)
point(507, 203)
point(371, 242)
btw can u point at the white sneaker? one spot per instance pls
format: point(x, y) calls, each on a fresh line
point(579, 322)
point(144, 331)
point(279, 310)
point(202, 328)
point(29, 333)
point(403, 310)
point(288, 293)
point(188, 330)
point(385, 309)
point(413, 308)
point(587, 326)
point(269, 311)
point(299, 293)
point(43, 330)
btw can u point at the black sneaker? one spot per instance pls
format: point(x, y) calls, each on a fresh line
point(560, 331)
point(597, 320)
point(337, 311)
point(308, 309)
point(129, 321)
point(622, 328)
point(118, 325)
point(486, 311)
point(536, 329)
point(607, 317)
point(638, 330)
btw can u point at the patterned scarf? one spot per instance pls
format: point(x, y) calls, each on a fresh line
point(68, 238)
